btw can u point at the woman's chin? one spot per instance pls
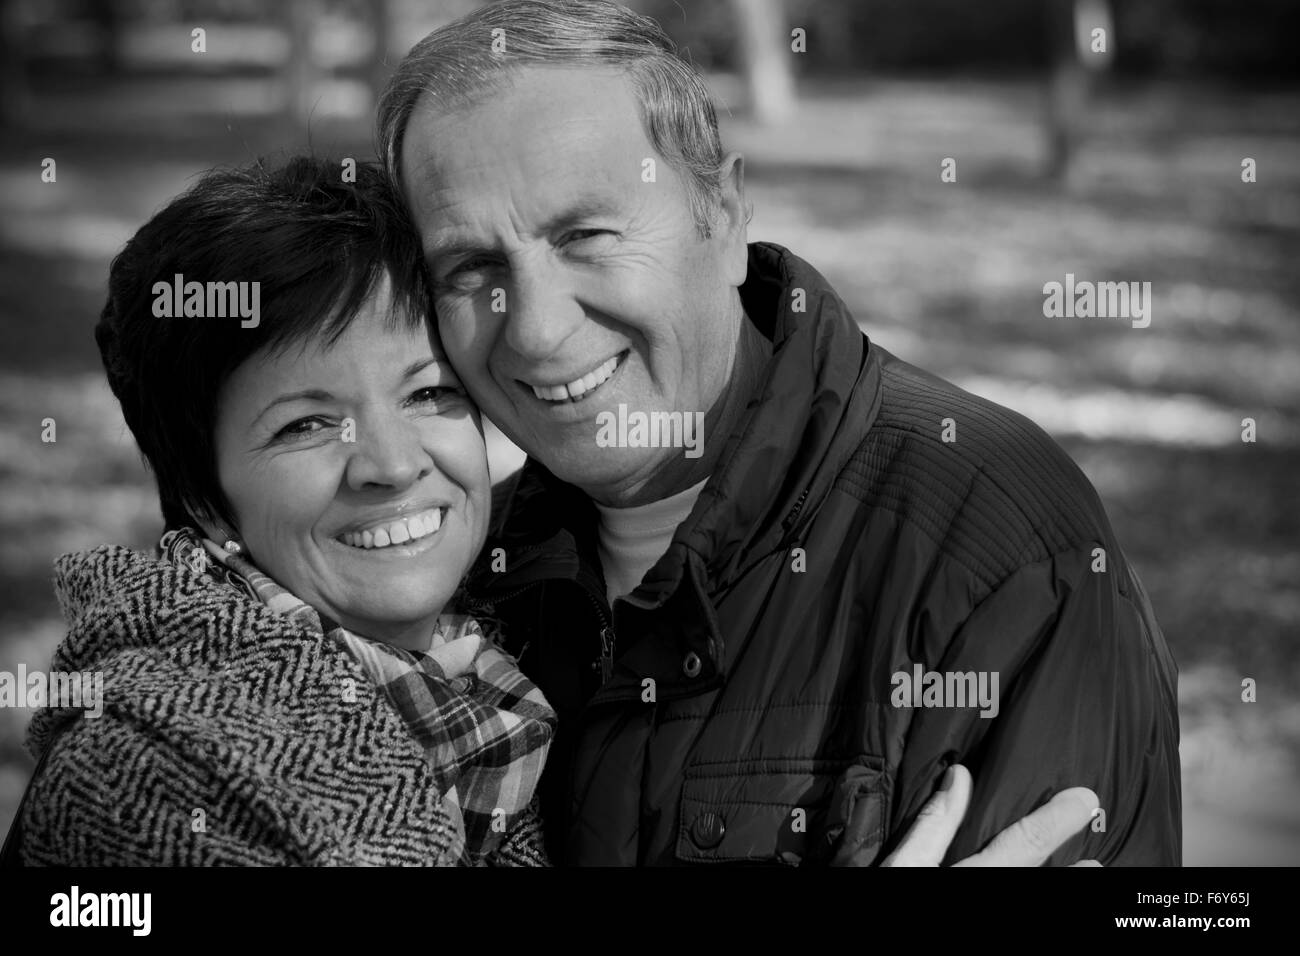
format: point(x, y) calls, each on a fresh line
point(380, 593)
point(395, 618)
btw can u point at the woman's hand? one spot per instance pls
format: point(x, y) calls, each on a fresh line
point(1027, 842)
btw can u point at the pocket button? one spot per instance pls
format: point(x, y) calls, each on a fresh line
point(707, 830)
point(691, 665)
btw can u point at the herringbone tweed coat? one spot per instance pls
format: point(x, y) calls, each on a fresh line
point(228, 736)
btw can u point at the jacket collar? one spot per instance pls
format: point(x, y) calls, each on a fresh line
point(809, 416)
point(819, 397)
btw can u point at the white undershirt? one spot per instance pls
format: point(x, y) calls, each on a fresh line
point(631, 540)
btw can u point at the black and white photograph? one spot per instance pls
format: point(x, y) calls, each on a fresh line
point(736, 433)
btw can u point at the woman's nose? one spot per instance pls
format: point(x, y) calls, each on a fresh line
point(388, 453)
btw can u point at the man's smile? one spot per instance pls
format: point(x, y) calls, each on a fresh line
point(578, 390)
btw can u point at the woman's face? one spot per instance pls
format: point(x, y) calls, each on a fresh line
point(357, 474)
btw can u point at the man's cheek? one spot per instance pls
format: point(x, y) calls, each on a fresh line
point(626, 283)
point(467, 348)
point(457, 316)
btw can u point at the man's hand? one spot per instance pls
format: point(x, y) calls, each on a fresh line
point(1027, 842)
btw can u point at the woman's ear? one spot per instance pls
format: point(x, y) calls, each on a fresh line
point(213, 528)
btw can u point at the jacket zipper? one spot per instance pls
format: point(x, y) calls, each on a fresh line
point(606, 654)
point(794, 512)
point(605, 662)
point(607, 638)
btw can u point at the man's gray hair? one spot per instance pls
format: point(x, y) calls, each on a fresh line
point(457, 63)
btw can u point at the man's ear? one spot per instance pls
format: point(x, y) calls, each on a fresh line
point(732, 222)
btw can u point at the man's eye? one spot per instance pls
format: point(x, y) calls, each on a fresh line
point(468, 267)
point(473, 263)
point(464, 276)
point(585, 235)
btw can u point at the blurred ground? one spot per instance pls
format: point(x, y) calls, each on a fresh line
point(948, 276)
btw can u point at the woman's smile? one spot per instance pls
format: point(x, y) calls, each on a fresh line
point(388, 533)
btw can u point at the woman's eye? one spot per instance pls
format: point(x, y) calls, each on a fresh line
point(302, 428)
point(436, 393)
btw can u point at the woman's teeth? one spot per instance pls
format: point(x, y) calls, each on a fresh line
point(410, 528)
point(576, 389)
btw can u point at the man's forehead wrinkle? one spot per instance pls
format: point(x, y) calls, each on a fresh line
point(527, 221)
point(595, 105)
point(455, 99)
point(439, 208)
point(428, 128)
point(584, 127)
point(488, 184)
point(420, 169)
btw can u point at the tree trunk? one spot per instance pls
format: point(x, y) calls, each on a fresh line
point(1070, 85)
point(15, 95)
point(766, 53)
point(301, 72)
point(379, 16)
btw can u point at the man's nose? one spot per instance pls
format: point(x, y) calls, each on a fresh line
point(541, 311)
point(389, 454)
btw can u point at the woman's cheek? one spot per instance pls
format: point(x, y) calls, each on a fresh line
point(295, 491)
point(469, 466)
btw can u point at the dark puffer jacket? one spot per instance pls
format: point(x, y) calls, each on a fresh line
point(842, 541)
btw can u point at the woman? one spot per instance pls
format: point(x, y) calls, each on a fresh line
point(292, 679)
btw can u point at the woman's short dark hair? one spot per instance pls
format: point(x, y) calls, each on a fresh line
point(317, 244)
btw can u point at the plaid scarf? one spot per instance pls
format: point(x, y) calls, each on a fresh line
point(485, 728)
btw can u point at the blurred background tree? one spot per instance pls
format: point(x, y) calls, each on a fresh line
point(301, 45)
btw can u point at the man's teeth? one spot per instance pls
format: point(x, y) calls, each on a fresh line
point(401, 531)
point(579, 387)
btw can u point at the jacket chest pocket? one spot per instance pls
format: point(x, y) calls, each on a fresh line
point(784, 811)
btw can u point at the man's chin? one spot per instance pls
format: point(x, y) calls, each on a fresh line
point(607, 474)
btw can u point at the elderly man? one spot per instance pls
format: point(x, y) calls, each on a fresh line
point(775, 581)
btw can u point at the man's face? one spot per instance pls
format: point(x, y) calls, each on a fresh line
point(567, 284)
